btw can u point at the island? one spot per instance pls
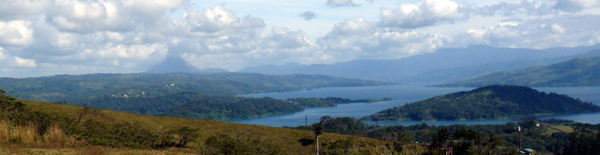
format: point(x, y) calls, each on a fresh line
point(489, 102)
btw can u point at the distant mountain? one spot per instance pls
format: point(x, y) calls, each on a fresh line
point(214, 70)
point(173, 64)
point(465, 63)
point(490, 102)
point(572, 73)
point(78, 89)
point(470, 72)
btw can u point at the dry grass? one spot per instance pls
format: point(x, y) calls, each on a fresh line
point(10, 133)
point(28, 136)
point(288, 138)
point(554, 129)
point(88, 151)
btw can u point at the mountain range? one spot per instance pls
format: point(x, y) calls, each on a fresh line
point(444, 65)
point(572, 73)
point(176, 64)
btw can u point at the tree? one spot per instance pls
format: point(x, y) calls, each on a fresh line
point(87, 111)
point(318, 129)
point(184, 135)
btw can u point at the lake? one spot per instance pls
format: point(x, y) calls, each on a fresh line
point(402, 94)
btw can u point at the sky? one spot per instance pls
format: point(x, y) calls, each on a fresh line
point(50, 37)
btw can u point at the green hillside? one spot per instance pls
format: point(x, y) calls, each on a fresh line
point(29, 127)
point(572, 73)
point(79, 89)
point(490, 102)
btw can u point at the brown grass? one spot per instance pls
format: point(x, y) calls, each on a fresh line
point(288, 138)
point(10, 133)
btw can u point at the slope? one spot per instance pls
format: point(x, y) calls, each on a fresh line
point(79, 89)
point(94, 127)
point(413, 67)
point(490, 102)
point(573, 73)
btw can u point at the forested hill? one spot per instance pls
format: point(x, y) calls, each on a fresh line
point(219, 107)
point(490, 102)
point(78, 89)
point(572, 73)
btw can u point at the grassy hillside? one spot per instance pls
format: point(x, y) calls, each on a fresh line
point(73, 129)
point(572, 73)
point(490, 102)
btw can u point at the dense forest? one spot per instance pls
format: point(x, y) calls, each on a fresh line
point(490, 102)
point(553, 135)
point(573, 73)
point(213, 107)
point(79, 89)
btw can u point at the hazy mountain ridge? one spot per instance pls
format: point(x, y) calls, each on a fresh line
point(572, 73)
point(81, 88)
point(456, 63)
point(490, 102)
point(176, 64)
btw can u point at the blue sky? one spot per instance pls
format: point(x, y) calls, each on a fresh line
point(49, 37)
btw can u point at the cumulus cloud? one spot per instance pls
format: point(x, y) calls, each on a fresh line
point(17, 33)
point(46, 37)
point(21, 8)
point(308, 15)
point(217, 19)
point(28, 63)
point(341, 3)
point(427, 13)
point(13, 61)
point(522, 7)
point(361, 39)
point(562, 31)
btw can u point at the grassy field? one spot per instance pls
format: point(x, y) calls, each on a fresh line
point(555, 129)
point(288, 139)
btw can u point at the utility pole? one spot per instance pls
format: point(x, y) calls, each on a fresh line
point(520, 148)
point(306, 121)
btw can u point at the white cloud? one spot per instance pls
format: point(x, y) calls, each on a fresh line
point(153, 8)
point(16, 33)
point(90, 16)
point(21, 8)
point(340, 3)
point(12, 61)
point(427, 13)
point(361, 39)
point(2, 57)
point(515, 8)
point(561, 31)
point(28, 63)
point(45, 37)
point(218, 19)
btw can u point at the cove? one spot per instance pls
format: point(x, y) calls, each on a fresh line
point(402, 94)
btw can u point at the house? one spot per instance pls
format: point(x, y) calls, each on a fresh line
point(527, 151)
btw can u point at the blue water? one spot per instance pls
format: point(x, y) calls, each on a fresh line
point(402, 94)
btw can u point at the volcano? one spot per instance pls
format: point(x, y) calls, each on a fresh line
point(173, 64)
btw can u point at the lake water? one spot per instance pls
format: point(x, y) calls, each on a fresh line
point(402, 94)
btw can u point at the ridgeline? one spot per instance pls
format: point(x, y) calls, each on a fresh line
point(573, 73)
point(490, 102)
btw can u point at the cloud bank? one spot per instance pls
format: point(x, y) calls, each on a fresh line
point(47, 37)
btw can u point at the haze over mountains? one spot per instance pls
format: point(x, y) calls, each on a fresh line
point(176, 64)
point(444, 65)
point(572, 73)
